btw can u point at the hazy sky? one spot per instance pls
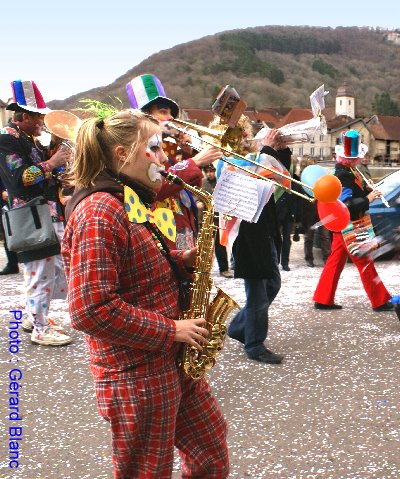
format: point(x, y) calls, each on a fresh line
point(73, 46)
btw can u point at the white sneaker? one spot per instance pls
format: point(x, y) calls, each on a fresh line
point(27, 323)
point(55, 325)
point(50, 337)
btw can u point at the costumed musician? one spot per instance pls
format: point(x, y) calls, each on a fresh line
point(27, 172)
point(356, 195)
point(147, 93)
point(256, 250)
point(124, 291)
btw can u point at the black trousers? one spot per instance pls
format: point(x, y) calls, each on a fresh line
point(286, 228)
point(221, 255)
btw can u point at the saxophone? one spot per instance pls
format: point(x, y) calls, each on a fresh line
point(195, 363)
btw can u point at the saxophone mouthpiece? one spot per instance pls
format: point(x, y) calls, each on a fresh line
point(172, 178)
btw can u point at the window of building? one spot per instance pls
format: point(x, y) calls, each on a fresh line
point(312, 151)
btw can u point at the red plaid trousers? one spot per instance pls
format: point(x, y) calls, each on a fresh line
point(150, 415)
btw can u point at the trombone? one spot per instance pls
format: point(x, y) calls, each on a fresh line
point(216, 134)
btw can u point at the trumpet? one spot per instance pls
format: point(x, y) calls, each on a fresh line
point(297, 132)
point(226, 150)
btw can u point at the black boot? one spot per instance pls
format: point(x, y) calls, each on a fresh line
point(10, 269)
point(12, 262)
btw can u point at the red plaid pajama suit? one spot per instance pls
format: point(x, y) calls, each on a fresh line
point(124, 296)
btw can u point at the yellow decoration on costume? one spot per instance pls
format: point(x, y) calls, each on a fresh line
point(171, 204)
point(139, 213)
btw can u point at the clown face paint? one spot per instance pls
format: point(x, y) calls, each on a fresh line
point(153, 172)
point(154, 148)
point(154, 145)
point(146, 166)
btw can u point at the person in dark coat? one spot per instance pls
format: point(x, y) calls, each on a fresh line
point(287, 211)
point(256, 251)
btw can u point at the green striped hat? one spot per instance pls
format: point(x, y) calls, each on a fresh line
point(146, 90)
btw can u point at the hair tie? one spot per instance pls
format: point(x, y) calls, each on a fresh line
point(100, 124)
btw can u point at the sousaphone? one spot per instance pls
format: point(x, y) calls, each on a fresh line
point(63, 124)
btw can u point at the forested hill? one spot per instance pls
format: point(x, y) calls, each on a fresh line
point(271, 66)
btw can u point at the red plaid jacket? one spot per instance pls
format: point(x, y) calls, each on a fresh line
point(122, 292)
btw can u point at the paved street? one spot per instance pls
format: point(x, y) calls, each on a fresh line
point(330, 411)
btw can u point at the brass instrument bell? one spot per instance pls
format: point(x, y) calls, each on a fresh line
point(63, 124)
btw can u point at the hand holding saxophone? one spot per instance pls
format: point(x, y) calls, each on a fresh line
point(190, 331)
point(189, 257)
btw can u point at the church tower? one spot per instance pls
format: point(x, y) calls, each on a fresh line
point(345, 101)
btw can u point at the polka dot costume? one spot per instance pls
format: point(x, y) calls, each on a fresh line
point(139, 213)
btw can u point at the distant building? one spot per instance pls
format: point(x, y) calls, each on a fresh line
point(345, 101)
point(385, 138)
point(380, 133)
point(4, 114)
point(393, 37)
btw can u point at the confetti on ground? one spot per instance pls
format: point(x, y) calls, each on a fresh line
point(330, 411)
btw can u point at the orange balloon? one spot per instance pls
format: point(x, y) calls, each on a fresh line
point(327, 188)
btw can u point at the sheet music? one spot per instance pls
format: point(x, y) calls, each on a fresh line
point(265, 190)
point(241, 195)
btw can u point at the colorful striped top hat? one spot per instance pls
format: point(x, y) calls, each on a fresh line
point(27, 97)
point(350, 146)
point(146, 90)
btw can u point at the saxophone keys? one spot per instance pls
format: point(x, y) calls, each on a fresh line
point(208, 363)
point(222, 331)
point(218, 331)
point(214, 346)
point(192, 372)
